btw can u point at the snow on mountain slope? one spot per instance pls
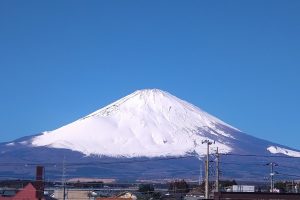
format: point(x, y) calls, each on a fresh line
point(281, 150)
point(145, 123)
point(152, 123)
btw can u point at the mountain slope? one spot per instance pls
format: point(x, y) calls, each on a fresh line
point(150, 123)
point(146, 124)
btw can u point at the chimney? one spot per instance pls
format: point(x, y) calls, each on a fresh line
point(39, 182)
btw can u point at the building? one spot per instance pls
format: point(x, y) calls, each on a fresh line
point(71, 194)
point(29, 192)
point(241, 188)
point(194, 195)
point(32, 191)
point(255, 196)
point(122, 196)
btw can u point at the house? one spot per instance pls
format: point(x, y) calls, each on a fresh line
point(255, 195)
point(71, 193)
point(122, 196)
point(194, 195)
point(29, 192)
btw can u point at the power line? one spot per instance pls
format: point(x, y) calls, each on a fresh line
point(291, 175)
point(257, 155)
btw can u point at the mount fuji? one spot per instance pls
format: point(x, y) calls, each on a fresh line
point(147, 131)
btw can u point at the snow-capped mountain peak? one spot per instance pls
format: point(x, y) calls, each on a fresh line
point(147, 122)
point(159, 102)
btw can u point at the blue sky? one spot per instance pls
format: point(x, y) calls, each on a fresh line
point(238, 60)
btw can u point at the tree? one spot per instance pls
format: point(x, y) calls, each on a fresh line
point(281, 186)
point(147, 192)
point(227, 183)
point(146, 188)
point(179, 186)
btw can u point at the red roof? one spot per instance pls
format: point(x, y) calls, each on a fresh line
point(28, 192)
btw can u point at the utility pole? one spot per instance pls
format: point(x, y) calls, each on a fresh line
point(217, 170)
point(200, 177)
point(207, 168)
point(272, 173)
point(64, 179)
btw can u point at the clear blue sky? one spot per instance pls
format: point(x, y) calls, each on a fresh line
point(238, 60)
